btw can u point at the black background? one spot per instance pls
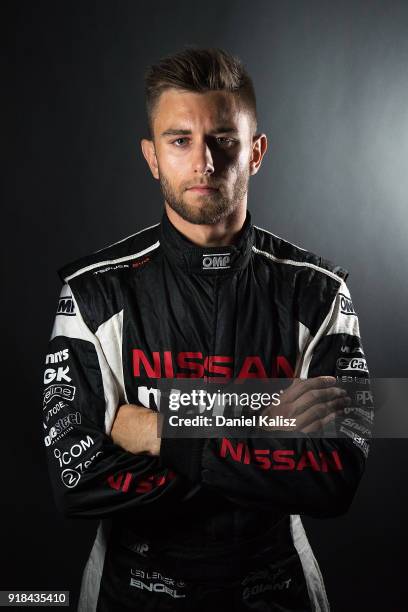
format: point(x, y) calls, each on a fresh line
point(332, 87)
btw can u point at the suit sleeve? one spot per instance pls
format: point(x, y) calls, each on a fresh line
point(302, 473)
point(90, 475)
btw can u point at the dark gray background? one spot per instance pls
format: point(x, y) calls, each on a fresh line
point(332, 87)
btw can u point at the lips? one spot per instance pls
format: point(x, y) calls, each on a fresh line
point(203, 189)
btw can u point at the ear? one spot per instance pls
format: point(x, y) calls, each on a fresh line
point(259, 146)
point(149, 153)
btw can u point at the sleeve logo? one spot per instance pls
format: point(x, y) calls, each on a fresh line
point(66, 306)
point(346, 305)
point(66, 392)
point(353, 363)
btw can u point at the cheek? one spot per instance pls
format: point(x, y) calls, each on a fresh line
point(170, 166)
point(244, 158)
point(239, 165)
point(175, 167)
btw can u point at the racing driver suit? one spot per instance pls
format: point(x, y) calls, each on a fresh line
point(206, 523)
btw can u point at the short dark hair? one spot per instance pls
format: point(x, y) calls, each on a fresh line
point(199, 70)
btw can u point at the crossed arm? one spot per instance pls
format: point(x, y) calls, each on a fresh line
point(135, 429)
point(314, 402)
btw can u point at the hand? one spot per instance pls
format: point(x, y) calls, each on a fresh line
point(314, 402)
point(135, 429)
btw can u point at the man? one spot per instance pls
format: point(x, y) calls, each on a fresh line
point(192, 523)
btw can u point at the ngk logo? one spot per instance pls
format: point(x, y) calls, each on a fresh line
point(58, 374)
point(218, 260)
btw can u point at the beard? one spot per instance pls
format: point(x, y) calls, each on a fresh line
point(212, 207)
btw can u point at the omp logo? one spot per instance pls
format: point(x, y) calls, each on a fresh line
point(354, 363)
point(216, 261)
point(66, 306)
point(346, 305)
point(67, 392)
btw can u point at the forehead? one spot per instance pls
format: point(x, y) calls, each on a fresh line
point(188, 110)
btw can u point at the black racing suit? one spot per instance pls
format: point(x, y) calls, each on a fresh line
point(197, 526)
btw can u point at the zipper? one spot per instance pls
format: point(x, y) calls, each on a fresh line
point(215, 316)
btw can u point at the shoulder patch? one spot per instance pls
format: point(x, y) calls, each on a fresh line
point(286, 253)
point(115, 255)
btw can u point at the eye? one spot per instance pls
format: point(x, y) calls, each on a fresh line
point(223, 140)
point(177, 141)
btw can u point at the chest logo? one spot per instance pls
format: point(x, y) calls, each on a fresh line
point(216, 261)
point(195, 364)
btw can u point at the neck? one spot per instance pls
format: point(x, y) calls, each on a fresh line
point(222, 233)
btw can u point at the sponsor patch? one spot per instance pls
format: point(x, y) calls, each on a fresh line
point(155, 582)
point(108, 268)
point(352, 363)
point(70, 478)
point(62, 427)
point(66, 392)
point(54, 410)
point(57, 357)
point(140, 262)
point(76, 450)
point(352, 351)
point(216, 261)
point(66, 306)
point(346, 305)
point(58, 375)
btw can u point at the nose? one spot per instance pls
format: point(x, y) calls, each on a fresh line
point(202, 159)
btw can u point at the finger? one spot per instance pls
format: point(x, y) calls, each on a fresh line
point(319, 424)
point(315, 397)
point(320, 411)
point(306, 401)
point(301, 386)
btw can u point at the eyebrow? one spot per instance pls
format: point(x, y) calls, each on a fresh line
point(221, 129)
